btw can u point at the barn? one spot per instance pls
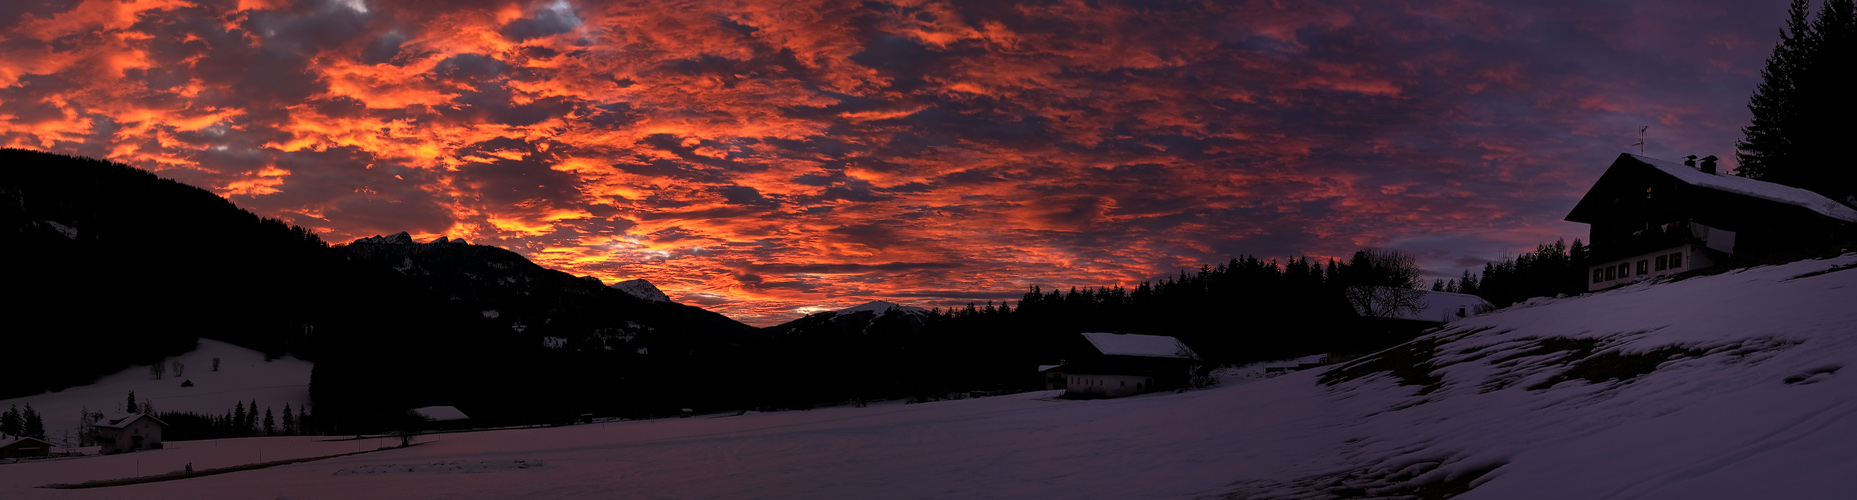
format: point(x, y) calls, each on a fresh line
point(125, 432)
point(1127, 364)
point(1651, 217)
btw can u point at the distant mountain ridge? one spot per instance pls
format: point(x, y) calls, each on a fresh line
point(866, 318)
point(390, 323)
point(556, 309)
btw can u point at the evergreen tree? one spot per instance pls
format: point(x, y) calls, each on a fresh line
point(132, 406)
point(33, 425)
point(10, 422)
point(270, 425)
point(303, 421)
point(238, 419)
point(290, 421)
point(1802, 108)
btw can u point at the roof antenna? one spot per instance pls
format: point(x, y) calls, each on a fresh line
point(1640, 143)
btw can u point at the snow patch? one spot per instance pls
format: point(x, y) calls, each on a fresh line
point(68, 231)
point(881, 307)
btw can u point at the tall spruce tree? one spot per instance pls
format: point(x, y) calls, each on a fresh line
point(1802, 108)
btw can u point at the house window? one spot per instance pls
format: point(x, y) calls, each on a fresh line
point(1663, 262)
point(1644, 267)
point(1600, 274)
point(1611, 273)
point(1624, 270)
point(1676, 260)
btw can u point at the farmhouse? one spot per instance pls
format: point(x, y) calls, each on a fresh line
point(1651, 217)
point(1127, 364)
point(124, 432)
point(22, 447)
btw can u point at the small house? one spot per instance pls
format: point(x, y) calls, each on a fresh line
point(1425, 306)
point(24, 447)
point(1651, 217)
point(1052, 377)
point(1119, 365)
point(125, 432)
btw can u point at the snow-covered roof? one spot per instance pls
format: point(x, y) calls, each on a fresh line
point(9, 440)
point(122, 420)
point(1440, 307)
point(1443, 306)
point(1129, 344)
point(1750, 187)
point(439, 413)
point(1046, 368)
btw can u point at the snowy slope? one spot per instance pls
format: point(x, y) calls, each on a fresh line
point(243, 375)
point(642, 289)
point(1733, 386)
point(880, 307)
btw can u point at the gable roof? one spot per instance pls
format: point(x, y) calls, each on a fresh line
point(1129, 344)
point(439, 413)
point(1628, 163)
point(122, 420)
point(11, 440)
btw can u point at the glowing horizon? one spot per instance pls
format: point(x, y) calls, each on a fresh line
point(764, 158)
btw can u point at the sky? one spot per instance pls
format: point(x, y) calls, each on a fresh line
point(765, 159)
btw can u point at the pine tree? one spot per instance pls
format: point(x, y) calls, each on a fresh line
point(290, 421)
point(10, 422)
point(238, 419)
point(303, 421)
point(133, 408)
point(33, 425)
point(1802, 108)
point(270, 425)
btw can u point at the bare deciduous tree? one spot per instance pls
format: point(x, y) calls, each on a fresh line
point(158, 370)
point(179, 368)
point(1383, 283)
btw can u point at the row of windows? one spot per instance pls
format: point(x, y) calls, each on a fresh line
point(1123, 383)
point(1623, 270)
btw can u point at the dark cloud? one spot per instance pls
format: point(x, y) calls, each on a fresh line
point(933, 152)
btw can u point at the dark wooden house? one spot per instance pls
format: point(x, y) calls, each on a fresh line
point(23, 447)
point(1117, 365)
point(1651, 217)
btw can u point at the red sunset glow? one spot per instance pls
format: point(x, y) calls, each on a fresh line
point(769, 158)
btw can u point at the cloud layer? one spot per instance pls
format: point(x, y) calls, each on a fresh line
point(767, 158)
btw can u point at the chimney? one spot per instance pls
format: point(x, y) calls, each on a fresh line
point(1689, 161)
point(1708, 164)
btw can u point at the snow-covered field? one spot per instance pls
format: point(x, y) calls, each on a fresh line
point(1734, 386)
point(243, 376)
